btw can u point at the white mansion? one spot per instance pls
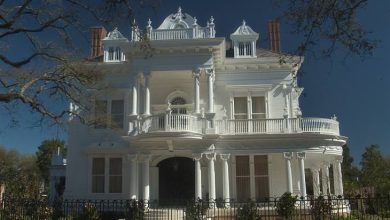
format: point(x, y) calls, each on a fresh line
point(202, 117)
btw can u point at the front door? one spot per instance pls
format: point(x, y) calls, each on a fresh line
point(176, 180)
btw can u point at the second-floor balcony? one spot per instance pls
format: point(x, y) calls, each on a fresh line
point(195, 124)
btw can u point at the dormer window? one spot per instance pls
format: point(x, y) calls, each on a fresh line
point(245, 49)
point(244, 41)
point(114, 54)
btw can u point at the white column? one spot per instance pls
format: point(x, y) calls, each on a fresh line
point(196, 75)
point(288, 156)
point(135, 97)
point(198, 176)
point(325, 179)
point(133, 176)
point(210, 74)
point(145, 173)
point(225, 179)
point(252, 177)
point(147, 95)
point(211, 158)
point(338, 177)
point(301, 157)
point(316, 182)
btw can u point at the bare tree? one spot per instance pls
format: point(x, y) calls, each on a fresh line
point(52, 70)
point(327, 25)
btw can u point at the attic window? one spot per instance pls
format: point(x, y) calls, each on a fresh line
point(179, 26)
point(245, 49)
point(114, 54)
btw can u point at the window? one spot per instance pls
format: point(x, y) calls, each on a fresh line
point(245, 49)
point(258, 107)
point(118, 53)
point(117, 113)
point(261, 177)
point(242, 178)
point(240, 108)
point(100, 114)
point(110, 53)
point(98, 175)
point(177, 105)
point(115, 54)
point(115, 175)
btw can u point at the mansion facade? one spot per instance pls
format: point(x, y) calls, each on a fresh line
point(200, 117)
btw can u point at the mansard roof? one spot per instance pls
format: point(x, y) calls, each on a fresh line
point(177, 20)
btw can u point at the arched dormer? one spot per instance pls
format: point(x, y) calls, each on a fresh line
point(113, 46)
point(179, 20)
point(244, 41)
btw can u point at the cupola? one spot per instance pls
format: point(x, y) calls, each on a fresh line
point(244, 41)
point(112, 46)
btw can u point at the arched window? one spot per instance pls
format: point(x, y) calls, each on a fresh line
point(118, 53)
point(110, 53)
point(177, 105)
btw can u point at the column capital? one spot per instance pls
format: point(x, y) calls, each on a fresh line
point(301, 155)
point(210, 156)
point(315, 169)
point(225, 157)
point(338, 159)
point(210, 71)
point(288, 155)
point(197, 156)
point(196, 72)
point(144, 157)
point(132, 157)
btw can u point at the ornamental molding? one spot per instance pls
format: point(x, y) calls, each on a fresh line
point(115, 35)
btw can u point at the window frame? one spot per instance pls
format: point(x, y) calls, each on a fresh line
point(107, 175)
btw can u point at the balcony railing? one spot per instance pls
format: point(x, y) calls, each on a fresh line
point(173, 123)
point(195, 124)
point(276, 126)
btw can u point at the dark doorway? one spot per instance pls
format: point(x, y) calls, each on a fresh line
point(176, 180)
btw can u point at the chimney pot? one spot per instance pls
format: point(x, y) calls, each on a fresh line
point(97, 35)
point(274, 35)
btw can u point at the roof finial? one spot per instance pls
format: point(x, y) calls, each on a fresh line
point(243, 22)
point(149, 23)
point(195, 21)
point(211, 20)
point(179, 10)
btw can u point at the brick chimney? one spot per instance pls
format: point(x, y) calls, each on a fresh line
point(274, 35)
point(97, 35)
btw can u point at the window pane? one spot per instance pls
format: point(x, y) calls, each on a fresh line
point(240, 105)
point(258, 104)
point(262, 188)
point(98, 184)
point(261, 165)
point(243, 189)
point(115, 184)
point(242, 165)
point(115, 166)
point(98, 166)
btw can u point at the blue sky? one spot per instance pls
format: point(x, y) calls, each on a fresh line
point(356, 90)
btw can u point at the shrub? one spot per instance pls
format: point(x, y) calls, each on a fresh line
point(248, 212)
point(89, 212)
point(321, 208)
point(196, 210)
point(135, 210)
point(286, 205)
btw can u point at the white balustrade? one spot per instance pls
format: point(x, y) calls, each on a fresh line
point(174, 34)
point(191, 123)
point(276, 126)
point(174, 123)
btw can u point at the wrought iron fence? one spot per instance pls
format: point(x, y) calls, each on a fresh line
point(332, 208)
